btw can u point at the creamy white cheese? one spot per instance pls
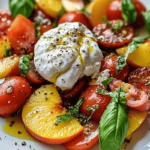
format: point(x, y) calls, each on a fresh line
point(65, 54)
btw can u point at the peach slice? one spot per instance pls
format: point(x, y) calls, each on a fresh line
point(39, 117)
point(98, 10)
point(135, 118)
point(9, 66)
point(140, 57)
point(4, 46)
point(50, 7)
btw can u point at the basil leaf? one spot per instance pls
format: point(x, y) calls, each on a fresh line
point(113, 126)
point(37, 25)
point(107, 81)
point(120, 63)
point(24, 7)
point(63, 118)
point(103, 92)
point(24, 64)
point(85, 11)
point(146, 16)
point(129, 13)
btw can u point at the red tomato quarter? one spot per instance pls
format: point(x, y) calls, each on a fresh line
point(106, 37)
point(14, 91)
point(22, 35)
point(140, 78)
point(87, 139)
point(114, 11)
point(110, 63)
point(76, 16)
point(5, 21)
point(91, 98)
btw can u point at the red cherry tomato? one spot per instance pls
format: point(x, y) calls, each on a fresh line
point(5, 21)
point(87, 139)
point(91, 98)
point(114, 11)
point(22, 35)
point(76, 16)
point(140, 78)
point(14, 91)
point(106, 37)
point(33, 76)
point(110, 63)
point(75, 91)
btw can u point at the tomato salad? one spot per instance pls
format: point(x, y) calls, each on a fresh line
point(76, 70)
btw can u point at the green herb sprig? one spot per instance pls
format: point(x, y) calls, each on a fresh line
point(116, 27)
point(24, 7)
point(73, 112)
point(146, 16)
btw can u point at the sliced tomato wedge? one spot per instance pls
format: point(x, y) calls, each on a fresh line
point(5, 21)
point(140, 78)
point(108, 38)
point(22, 35)
point(87, 139)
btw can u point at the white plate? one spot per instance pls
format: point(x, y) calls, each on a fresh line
point(140, 140)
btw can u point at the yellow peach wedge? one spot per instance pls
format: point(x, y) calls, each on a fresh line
point(99, 8)
point(135, 118)
point(4, 46)
point(40, 114)
point(50, 7)
point(138, 58)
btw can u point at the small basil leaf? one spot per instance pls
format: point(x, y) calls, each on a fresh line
point(113, 127)
point(7, 52)
point(103, 92)
point(37, 25)
point(24, 7)
point(146, 16)
point(120, 63)
point(107, 81)
point(85, 11)
point(24, 64)
point(129, 13)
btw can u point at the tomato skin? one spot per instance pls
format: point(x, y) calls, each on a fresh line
point(139, 79)
point(33, 77)
point(5, 21)
point(110, 63)
point(106, 37)
point(114, 12)
point(75, 91)
point(13, 94)
point(22, 35)
point(85, 140)
point(91, 97)
point(75, 16)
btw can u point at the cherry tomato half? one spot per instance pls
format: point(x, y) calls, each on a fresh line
point(22, 35)
point(114, 11)
point(140, 78)
point(113, 39)
point(87, 139)
point(33, 76)
point(5, 21)
point(14, 91)
point(92, 98)
point(75, 16)
point(109, 62)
